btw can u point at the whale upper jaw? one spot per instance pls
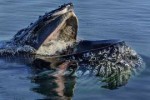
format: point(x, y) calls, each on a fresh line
point(58, 25)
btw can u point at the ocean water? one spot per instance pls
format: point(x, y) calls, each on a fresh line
point(127, 20)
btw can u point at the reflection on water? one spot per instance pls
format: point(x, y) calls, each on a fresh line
point(51, 79)
point(55, 87)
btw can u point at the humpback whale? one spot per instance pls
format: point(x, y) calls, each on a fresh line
point(49, 35)
point(50, 47)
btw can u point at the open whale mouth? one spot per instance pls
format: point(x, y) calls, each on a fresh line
point(58, 25)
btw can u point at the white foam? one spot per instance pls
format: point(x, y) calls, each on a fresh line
point(53, 47)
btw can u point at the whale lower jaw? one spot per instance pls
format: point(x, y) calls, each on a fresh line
point(61, 38)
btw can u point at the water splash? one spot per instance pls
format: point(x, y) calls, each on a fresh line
point(54, 47)
point(11, 48)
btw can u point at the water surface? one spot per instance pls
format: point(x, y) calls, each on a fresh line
point(127, 20)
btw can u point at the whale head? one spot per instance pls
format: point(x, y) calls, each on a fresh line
point(60, 24)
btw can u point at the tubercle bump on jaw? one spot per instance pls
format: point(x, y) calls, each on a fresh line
point(47, 15)
point(64, 5)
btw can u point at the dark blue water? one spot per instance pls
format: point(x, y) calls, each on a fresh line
point(127, 20)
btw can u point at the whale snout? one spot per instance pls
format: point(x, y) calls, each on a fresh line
point(63, 9)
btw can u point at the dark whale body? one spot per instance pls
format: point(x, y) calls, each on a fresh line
point(112, 61)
